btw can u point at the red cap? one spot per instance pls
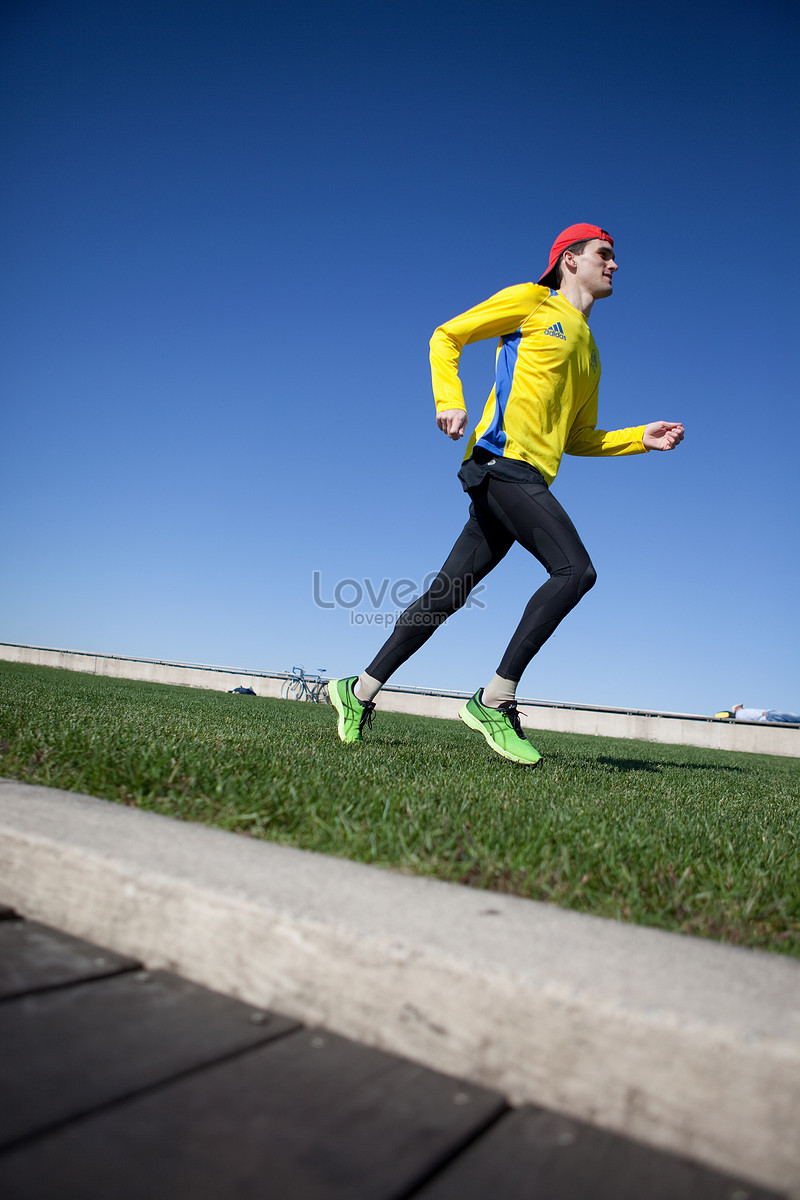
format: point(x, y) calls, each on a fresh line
point(574, 233)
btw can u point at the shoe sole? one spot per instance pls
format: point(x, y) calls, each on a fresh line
point(473, 723)
point(337, 704)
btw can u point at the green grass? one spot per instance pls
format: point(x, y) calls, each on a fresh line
point(696, 841)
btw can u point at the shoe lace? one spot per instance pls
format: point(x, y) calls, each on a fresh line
point(512, 712)
point(368, 708)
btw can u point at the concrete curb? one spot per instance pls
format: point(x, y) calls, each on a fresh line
point(685, 1044)
point(681, 729)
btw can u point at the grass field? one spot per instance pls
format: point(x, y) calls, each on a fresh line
point(697, 841)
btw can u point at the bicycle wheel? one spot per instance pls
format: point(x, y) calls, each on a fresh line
point(293, 688)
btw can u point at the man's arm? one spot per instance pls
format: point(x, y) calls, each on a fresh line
point(501, 314)
point(586, 440)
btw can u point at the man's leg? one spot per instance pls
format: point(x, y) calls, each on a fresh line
point(482, 543)
point(537, 521)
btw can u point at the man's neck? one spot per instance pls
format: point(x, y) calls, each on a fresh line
point(577, 297)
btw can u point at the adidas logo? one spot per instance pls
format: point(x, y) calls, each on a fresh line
point(556, 331)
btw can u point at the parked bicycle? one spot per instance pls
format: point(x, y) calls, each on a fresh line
point(300, 685)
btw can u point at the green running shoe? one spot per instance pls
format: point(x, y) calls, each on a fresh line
point(354, 714)
point(501, 728)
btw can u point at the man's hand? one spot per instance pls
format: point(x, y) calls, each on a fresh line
point(453, 422)
point(662, 435)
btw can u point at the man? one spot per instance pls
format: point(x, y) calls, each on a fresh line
point(740, 713)
point(543, 404)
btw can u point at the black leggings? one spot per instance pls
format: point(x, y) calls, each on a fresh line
point(501, 513)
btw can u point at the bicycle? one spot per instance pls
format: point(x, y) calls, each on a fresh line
point(301, 686)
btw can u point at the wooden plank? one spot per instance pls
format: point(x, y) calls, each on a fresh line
point(310, 1117)
point(68, 1051)
point(34, 957)
point(531, 1154)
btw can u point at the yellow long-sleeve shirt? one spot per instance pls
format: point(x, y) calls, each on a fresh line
point(544, 401)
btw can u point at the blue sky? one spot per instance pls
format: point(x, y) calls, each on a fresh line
point(229, 230)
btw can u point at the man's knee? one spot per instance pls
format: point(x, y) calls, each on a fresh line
point(578, 575)
point(587, 580)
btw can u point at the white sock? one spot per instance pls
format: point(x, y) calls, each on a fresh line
point(366, 688)
point(499, 691)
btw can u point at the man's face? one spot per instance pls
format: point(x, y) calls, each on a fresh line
point(596, 267)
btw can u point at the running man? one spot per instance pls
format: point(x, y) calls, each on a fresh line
point(543, 404)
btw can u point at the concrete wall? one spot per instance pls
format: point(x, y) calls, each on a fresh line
point(674, 728)
point(683, 729)
point(218, 679)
